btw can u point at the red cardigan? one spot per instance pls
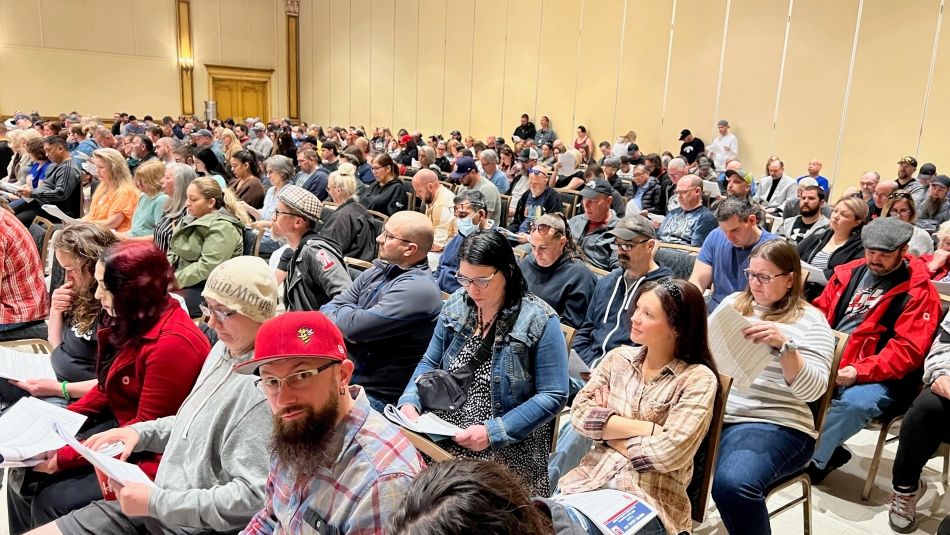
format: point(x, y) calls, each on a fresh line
point(147, 382)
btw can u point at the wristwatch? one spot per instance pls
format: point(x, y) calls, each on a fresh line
point(789, 345)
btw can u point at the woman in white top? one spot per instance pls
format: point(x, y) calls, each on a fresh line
point(769, 430)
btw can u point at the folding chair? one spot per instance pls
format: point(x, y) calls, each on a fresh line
point(700, 486)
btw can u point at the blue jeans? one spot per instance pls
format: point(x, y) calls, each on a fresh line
point(752, 457)
point(851, 410)
point(571, 448)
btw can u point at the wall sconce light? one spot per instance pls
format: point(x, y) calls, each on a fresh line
point(186, 64)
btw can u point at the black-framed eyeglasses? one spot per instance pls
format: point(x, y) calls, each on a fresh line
point(902, 211)
point(386, 235)
point(296, 380)
point(279, 213)
point(481, 282)
point(627, 246)
point(219, 314)
point(761, 277)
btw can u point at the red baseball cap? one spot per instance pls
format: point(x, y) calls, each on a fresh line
point(294, 335)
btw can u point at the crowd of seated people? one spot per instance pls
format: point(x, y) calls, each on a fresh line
point(460, 314)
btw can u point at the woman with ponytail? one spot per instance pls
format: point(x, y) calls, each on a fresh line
point(212, 232)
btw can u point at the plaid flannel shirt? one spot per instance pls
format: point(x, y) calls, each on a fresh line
point(357, 494)
point(23, 296)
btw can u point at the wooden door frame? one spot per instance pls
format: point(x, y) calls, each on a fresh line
point(245, 74)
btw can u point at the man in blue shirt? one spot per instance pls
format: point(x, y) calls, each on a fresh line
point(725, 253)
point(691, 222)
point(490, 170)
point(814, 171)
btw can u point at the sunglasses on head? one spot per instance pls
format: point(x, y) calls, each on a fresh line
point(899, 195)
point(544, 229)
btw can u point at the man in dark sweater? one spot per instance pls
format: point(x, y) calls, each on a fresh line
point(540, 199)
point(62, 187)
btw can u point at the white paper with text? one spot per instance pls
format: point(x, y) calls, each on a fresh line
point(614, 512)
point(737, 357)
point(21, 366)
point(115, 469)
point(26, 428)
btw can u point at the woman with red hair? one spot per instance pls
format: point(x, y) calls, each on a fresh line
point(149, 356)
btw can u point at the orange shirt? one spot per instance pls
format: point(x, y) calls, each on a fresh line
point(122, 200)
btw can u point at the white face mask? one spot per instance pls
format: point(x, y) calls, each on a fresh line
point(466, 226)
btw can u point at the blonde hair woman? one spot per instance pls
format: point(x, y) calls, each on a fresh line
point(212, 232)
point(229, 142)
point(148, 179)
point(348, 225)
point(21, 168)
point(114, 202)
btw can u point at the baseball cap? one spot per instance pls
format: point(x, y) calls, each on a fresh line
point(741, 174)
point(886, 234)
point(405, 139)
point(295, 335)
point(722, 122)
point(908, 160)
point(684, 133)
point(463, 166)
point(632, 226)
point(203, 132)
point(928, 169)
point(943, 180)
point(595, 187)
point(528, 154)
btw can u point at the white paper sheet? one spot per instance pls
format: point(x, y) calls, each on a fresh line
point(656, 218)
point(54, 211)
point(613, 512)
point(814, 274)
point(712, 189)
point(23, 366)
point(12, 188)
point(115, 469)
point(428, 423)
point(576, 367)
point(26, 428)
point(737, 357)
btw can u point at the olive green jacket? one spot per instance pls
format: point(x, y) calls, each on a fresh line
point(199, 245)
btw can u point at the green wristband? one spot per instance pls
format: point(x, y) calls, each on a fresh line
point(65, 391)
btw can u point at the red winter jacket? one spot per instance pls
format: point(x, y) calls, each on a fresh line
point(913, 332)
point(147, 382)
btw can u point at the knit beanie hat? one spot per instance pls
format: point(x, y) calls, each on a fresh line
point(246, 285)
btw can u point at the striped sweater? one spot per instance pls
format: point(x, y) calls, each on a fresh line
point(770, 399)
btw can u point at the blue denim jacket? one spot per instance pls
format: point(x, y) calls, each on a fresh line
point(529, 366)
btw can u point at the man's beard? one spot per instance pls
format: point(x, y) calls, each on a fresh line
point(308, 443)
point(807, 211)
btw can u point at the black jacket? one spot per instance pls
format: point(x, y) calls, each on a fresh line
point(387, 199)
point(852, 249)
point(353, 230)
point(525, 132)
point(651, 197)
point(317, 273)
point(567, 285)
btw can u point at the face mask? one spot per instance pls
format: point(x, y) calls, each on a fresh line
point(466, 226)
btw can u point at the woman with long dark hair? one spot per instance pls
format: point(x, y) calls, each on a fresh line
point(510, 343)
point(207, 164)
point(247, 185)
point(769, 430)
point(388, 194)
point(149, 356)
point(648, 408)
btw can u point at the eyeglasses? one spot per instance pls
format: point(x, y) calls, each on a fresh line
point(278, 213)
point(626, 246)
point(761, 277)
point(481, 282)
point(296, 381)
point(902, 211)
point(219, 314)
point(685, 191)
point(386, 235)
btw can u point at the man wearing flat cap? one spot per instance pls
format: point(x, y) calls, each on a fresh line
point(316, 272)
point(889, 308)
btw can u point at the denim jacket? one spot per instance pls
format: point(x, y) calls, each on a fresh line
point(529, 366)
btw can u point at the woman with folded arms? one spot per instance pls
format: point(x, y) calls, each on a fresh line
point(769, 430)
point(648, 408)
point(520, 380)
point(149, 356)
point(838, 244)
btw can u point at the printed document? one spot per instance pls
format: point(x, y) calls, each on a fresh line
point(26, 428)
point(115, 469)
point(428, 423)
point(54, 211)
point(22, 366)
point(814, 274)
point(737, 357)
point(613, 512)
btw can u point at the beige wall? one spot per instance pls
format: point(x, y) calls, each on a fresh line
point(615, 65)
point(102, 56)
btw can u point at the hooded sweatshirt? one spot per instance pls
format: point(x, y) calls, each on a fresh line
point(566, 285)
point(607, 324)
point(216, 456)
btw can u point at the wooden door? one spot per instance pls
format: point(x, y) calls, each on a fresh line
point(240, 99)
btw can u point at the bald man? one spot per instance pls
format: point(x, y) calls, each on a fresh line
point(389, 312)
point(439, 205)
point(883, 189)
point(814, 171)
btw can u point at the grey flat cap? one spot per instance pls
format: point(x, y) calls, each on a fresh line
point(886, 234)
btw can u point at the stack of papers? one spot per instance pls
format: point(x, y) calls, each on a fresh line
point(22, 366)
point(613, 512)
point(737, 357)
point(54, 211)
point(26, 430)
point(428, 424)
point(115, 469)
point(814, 274)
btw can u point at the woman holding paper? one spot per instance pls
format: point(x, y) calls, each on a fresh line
point(769, 430)
point(648, 408)
point(116, 198)
point(72, 319)
point(149, 356)
point(838, 244)
point(503, 347)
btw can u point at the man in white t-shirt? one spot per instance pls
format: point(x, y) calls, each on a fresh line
point(724, 147)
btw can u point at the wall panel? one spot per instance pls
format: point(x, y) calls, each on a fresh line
point(321, 60)
point(521, 63)
point(381, 61)
point(360, 62)
point(340, 63)
point(488, 62)
point(599, 66)
point(460, 17)
point(12, 31)
point(694, 70)
point(307, 82)
point(430, 80)
point(936, 127)
point(153, 22)
point(888, 87)
point(750, 77)
point(234, 32)
point(405, 64)
point(65, 23)
point(116, 16)
point(557, 73)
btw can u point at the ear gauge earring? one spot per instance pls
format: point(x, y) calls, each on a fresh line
point(342, 391)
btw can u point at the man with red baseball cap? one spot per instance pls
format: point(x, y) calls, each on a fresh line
point(337, 466)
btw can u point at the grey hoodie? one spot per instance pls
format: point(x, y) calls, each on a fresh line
point(215, 461)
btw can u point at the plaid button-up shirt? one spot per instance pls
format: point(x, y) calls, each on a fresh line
point(23, 295)
point(357, 494)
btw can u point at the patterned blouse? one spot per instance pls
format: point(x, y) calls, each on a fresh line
point(657, 468)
